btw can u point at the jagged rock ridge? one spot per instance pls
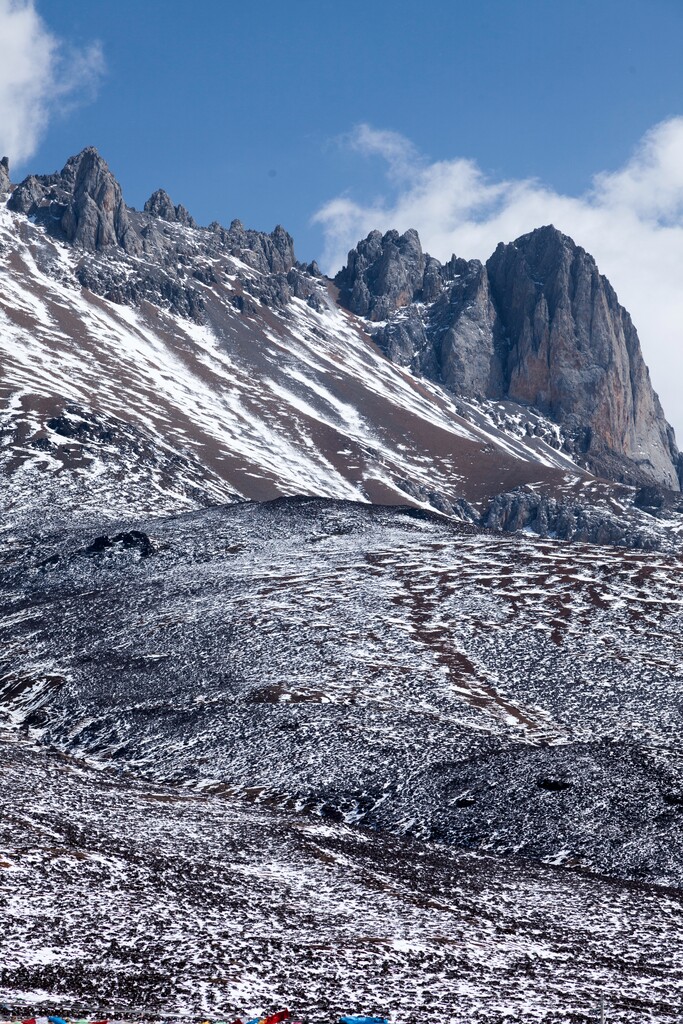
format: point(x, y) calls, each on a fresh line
point(538, 324)
point(136, 256)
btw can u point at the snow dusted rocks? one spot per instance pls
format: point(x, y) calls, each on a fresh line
point(336, 755)
point(82, 203)
point(366, 664)
point(205, 906)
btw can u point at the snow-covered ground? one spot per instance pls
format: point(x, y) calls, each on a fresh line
point(376, 665)
point(125, 899)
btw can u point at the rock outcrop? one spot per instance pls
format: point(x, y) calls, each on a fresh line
point(269, 253)
point(4, 176)
point(574, 353)
point(160, 205)
point(384, 272)
point(466, 333)
point(563, 519)
point(82, 203)
point(456, 340)
point(538, 325)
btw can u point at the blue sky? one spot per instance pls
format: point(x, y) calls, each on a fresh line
point(471, 121)
point(235, 108)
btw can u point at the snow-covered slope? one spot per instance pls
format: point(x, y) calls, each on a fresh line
point(122, 410)
point(202, 906)
point(316, 752)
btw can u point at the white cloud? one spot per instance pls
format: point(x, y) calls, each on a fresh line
point(39, 76)
point(631, 220)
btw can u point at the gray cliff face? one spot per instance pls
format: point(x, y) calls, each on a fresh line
point(466, 332)
point(384, 273)
point(456, 341)
point(574, 353)
point(269, 253)
point(538, 324)
point(4, 176)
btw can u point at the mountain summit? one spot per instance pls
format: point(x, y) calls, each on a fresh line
point(83, 202)
point(537, 324)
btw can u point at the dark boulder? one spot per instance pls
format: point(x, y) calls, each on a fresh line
point(134, 540)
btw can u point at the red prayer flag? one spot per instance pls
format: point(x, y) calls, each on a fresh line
point(277, 1018)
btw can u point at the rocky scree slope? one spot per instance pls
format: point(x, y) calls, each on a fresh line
point(366, 664)
point(537, 324)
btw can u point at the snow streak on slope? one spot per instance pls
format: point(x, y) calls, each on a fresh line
point(116, 407)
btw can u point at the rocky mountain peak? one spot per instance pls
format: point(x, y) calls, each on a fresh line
point(83, 203)
point(282, 257)
point(4, 175)
point(538, 325)
point(160, 205)
point(383, 273)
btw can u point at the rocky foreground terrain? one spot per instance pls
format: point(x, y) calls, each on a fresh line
point(340, 626)
point(134, 900)
point(343, 757)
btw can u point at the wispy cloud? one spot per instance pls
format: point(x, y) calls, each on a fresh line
point(630, 219)
point(40, 76)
